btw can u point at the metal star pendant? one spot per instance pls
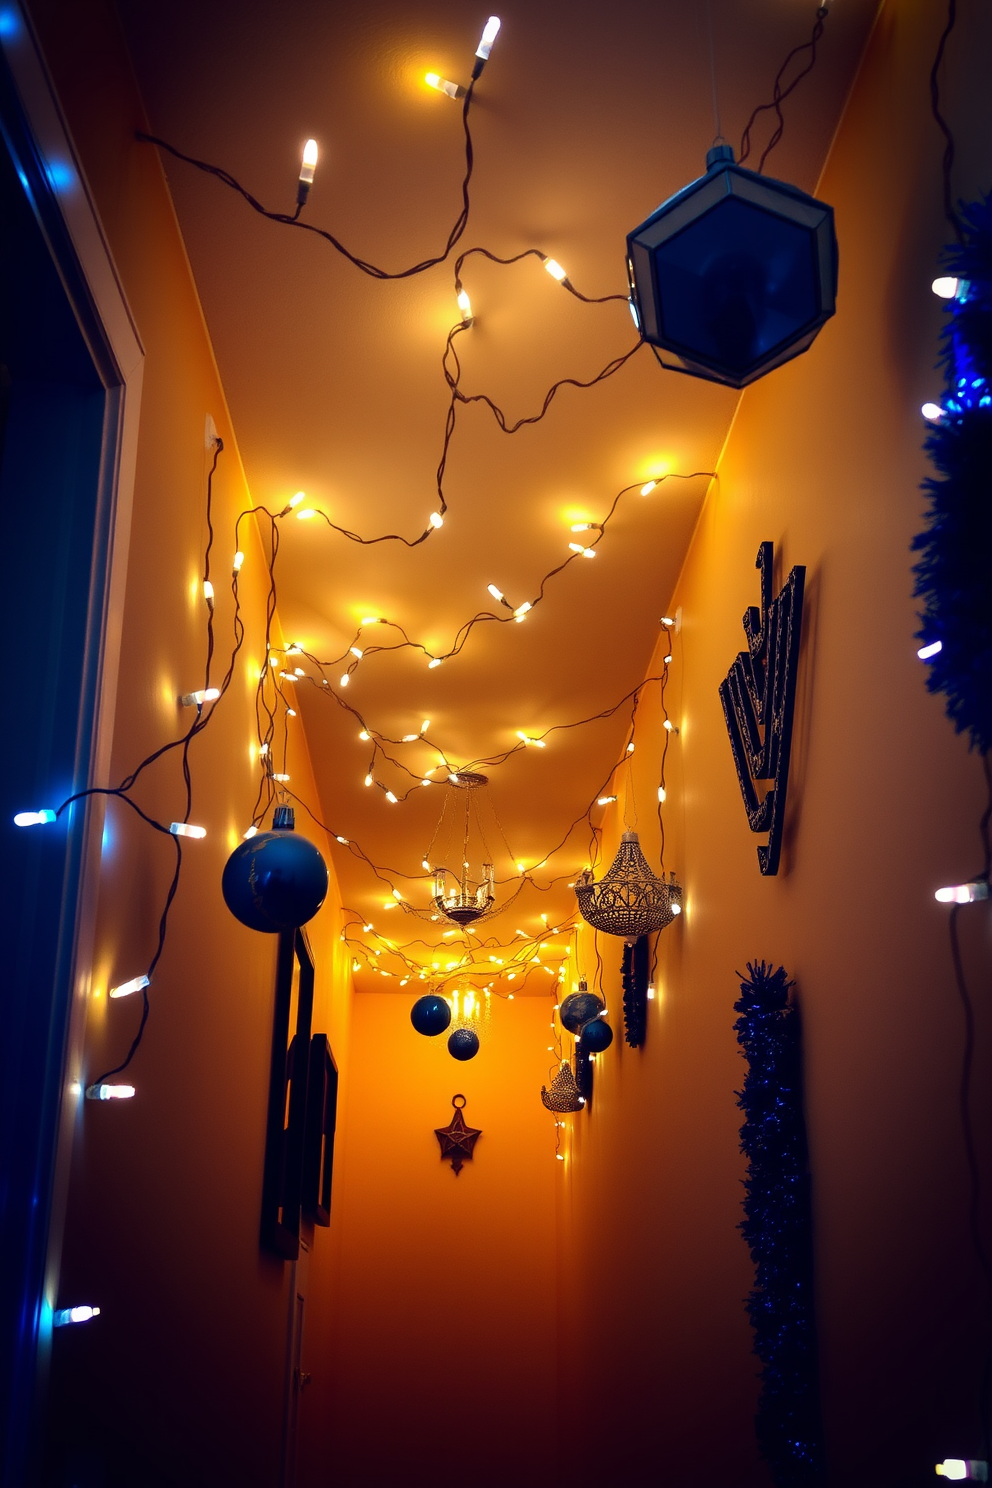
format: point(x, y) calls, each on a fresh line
point(457, 1140)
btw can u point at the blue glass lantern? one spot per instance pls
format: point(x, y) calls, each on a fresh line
point(733, 275)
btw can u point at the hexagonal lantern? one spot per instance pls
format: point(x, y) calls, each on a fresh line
point(733, 275)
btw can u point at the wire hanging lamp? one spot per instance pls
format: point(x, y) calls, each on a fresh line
point(459, 858)
point(630, 899)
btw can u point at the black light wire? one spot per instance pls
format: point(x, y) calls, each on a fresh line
point(780, 94)
point(947, 162)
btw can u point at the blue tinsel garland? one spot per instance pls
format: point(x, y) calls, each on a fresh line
point(954, 576)
point(778, 1228)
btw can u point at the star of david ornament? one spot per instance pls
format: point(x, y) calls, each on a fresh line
point(457, 1140)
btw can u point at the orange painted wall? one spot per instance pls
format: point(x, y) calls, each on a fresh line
point(443, 1344)
point(181, 1379)
point(824, 458)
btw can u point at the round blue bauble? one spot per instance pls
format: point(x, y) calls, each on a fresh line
point(274, 881)
point(596, 1036)
point(463, 1044)
point(579, 1008)
point(430, 1015)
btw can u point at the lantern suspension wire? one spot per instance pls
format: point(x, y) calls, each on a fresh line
point(947, 162)
point(718, 137)
point(780, 93)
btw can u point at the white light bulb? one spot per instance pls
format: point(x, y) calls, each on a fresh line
point(263, 750)
point(925, 652)
point(932, 411)
point(343, 840)
point(522, 610)
point(368, 780)
point(952, 1467)
point(290, 712)
point(646, 490)
point(66, 1315)
point(453, 777)
point(489, 35)
point(186, 829)
point(294, 501)
point(667, 620)
point(345, 679)
point(945, 288)
point(306, 513)
point(605, 800)
point(409, 738)
point(239, 559)
point(390, 797)
point(425, 725)
point(436, 519)
point(251, 832)
point(668, 660)
point(283, 779)
point(576, 548)
point(966, 893)
point(369, 620)
point(356, 651)
point(676, 909)
point(208, 590)
point(136, 984)
point(661, 793)
point(497, 594)
point(365, 734)
point(465, 306)
point(630, 747)
point(669, 725)
point(435, 661)
point(309, 164)
point(427, 782)
point(442, 85)
point(110, 1092)
point(33, 818)
point(554, 268)
point(197, 699)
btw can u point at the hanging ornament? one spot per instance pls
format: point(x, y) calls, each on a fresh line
point(430, 1015)
point(457, 1140)
point(564, 1094)
point(596, 1036)
point(635, 974)
point(463, 1044)
point(579, 1008)
point(459, 858)
point(629, 899)
point(276, 880)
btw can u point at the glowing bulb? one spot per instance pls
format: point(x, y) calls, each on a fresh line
point(966, 893)
point(559, 1157)
point(667, 620)
point(436, 519)
point(309, 164)
point(33, 818)
point(651, 994)
point(932, 411)
point(668, 660)
point(136, 984)
point(646, 490)
point(489, 35)
point(263, 750)
point(110, 1092)
point(630, 747)
point(945, 288)
point(952, 1467)
point(427, 782)
point(522, 610)
point(197, 699)
point(555, 269)
point(251, 832)
point(576, 548)
point(661, 793)
point(369, 620)
point(273, 661)
point(365, 734)
point(605, 800)
point(409, 738)
point(676, 909)
point(669, 725)
point(425, 865)
point(186, 829)
point(442, 85)
point(497, 594)
point(465, 306)
point(391, 797)
point(345, 841)
point(290, 712)
point(306, 514)
point(294, 501)
point(356, 651)
point(208, 590)
point(281, 778)
point(425, 725)
point(520, 868)
point(580, 526)
point(368, 780)
point(925, 652)
point(435, 661)
point(345, 679)
point(66, 1315)
point(239, 559)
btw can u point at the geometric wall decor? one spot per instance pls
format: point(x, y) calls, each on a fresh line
point(759, 696)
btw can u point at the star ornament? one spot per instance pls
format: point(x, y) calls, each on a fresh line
point(457, 1140)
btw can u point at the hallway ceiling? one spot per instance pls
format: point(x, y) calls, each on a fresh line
point(587, 116)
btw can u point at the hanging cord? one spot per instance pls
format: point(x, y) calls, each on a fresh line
point(718, 137)
point(286, 219)
point(947, 163)
point(780, 94)
point(967, 1128)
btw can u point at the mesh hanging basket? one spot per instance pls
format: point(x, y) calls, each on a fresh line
point(564, 1094)
point(629, 899)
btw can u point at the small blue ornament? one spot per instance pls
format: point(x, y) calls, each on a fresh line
point(463, 1044)
point(276, 880)
point(430, 1015)
point(596, 1036)
point(578, 1009)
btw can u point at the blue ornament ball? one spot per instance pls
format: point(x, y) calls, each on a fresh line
point(463, 1044)
point(580, 1008)
point(430, 1015)
point(274, 881)
point(596, 1036)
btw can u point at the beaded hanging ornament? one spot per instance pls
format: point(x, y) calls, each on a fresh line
point(629, 900)
point(564, 1095)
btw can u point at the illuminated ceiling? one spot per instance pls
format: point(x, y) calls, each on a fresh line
point(586, 117)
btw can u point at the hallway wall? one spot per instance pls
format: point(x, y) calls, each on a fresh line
point(181, 1379)
point(825, 459)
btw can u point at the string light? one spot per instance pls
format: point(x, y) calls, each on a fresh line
point(356, 651)
point(497, 594)
point(33, 818)
point(110, 1092)
point(282, 779)
point(305, 514)
point(391, 798)
point(186, 829)
point(239, 559)
point(308, 168)
point(251, 832)
point(646, 491)
point(605, 800)
point(197, 699)
point(435, 661)
point(661, 793)
point(208, 591)
point(932, 412)
point(926, 652)
point(489, 34)
point(66, 1315)
point(125, 989)
point(345, 679)
point(294, 501)
point(947, 288)
point(555, 270)
point(343, 840)
point(528, 739)
point(667, 620)
point(586, 552)
point(369, 620)
point(425, 725)
point(465, 306)
point(369, 780)
point(436, 519)
point(966, 893)
point(442, 85)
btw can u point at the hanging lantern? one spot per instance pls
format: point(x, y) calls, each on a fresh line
point(629, 899)
point(734, 274)
point(459, 857)
point(564, 1094)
